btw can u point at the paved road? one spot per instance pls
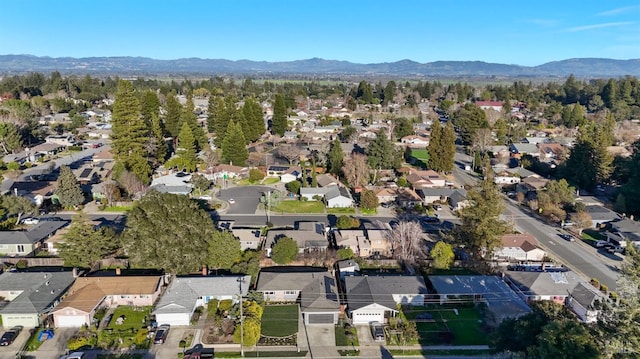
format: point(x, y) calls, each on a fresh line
point(45, 167)
point(576, 255)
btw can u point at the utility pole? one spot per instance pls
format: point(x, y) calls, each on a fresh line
point(268, 206)
point(240, 280)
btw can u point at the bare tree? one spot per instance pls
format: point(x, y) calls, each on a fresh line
point(131, 184)
point(290, 153)
point(356, 170)
point(482, 140)
point(211, 157)
point(256, 159)
point(407, 241)
point(582, 220)
point(111, 192)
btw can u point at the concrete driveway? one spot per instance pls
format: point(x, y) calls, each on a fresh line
point(56, 347)
point(171, 347)
point(246, 198)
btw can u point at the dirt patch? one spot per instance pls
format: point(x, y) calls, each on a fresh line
point(218, 331)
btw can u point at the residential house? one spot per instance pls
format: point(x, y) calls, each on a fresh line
point(36, 191)
point(551, 151)
point(379, 243)
point(376, 298)
point(30, 296)
point(224, 171)
point(291, 174)
point(43, 150)
point(249, 238)
point(310, 236)
point(52, 243)
point(520, 149)
point(502, 302)
point(326, 180)
point(505, 178)
point(415, 141)
point(178, 303)
point(519, 247)
point(350, 238)
point(62, 140)
point(88, 294)
point(443, 195)
point(22, 243)
point(176, 183)
point(600, 215)
point(427, 178)
point(627, 229)
point(584, 301)
point(407, 198)
point(315, 291)
point(490, 105)
point(333, 195)
point(386, 194)
point(347, 267)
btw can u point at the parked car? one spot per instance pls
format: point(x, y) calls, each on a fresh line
point(567, 237)
point(10, 335)
point(232, 201)
point(161, 334)
point(30, 221)
point(600, 244)
point(431, 220)
point(376, 331)
point(74, 355)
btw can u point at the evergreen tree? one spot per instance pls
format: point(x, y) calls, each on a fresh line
point(284, 251)
point(279, 119)
point(368, 199)
point(215, 109)
point(435, 149)
point(389, 93)
point(314, 173)
point(468, 120)
point(85, 245)
point(629, 198)
point(189, 117)
point(224, 250)
point(335, 157)
point(448, 143)
point(500, 129)
point(577, 115)
point(186, 159)
point(68, 188)
point(382, 153)
point(172, 117)
point(149, 106)
point(481, 226)
point(589, 162)
point(252, 112)
point(157, 133)
point(234, 149)
point(10, 138)
point(130, 133)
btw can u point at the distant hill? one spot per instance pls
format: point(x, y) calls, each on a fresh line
point(586, 67)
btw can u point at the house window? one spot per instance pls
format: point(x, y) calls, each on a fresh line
point(269, 293)
point(20, 248)
point(290, 292)
point(4, 246)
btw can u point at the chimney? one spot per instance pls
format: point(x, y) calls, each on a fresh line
point(75, 272)
point(205, 272)
point(118, 271)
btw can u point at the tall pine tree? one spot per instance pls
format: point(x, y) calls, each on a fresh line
point(189, 117)
point(234, 149)
point(252, 112)
point(172, 117)
point(435, 149)
point(448, 143)
point(149, 106)
point(130, 133)
point(186, 159)
point(335, 157)
point(279, 120)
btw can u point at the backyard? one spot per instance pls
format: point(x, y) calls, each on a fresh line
point(420, 157)
point(456, 326)
point(294, 206)
point(279, 324)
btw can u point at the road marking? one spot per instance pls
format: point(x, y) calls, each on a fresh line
point(552, 243)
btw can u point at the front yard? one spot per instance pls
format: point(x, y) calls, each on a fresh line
point(280, 320)
point(294, 206)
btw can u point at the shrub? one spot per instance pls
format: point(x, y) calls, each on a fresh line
point(225, 305)
point(255, 175)
point(604, 288)
point(293, 186)
point(212, 307)
point(13, 166)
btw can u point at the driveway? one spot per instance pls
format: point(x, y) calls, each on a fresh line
point(246, 198)
point(54, 348)
point(171, 347)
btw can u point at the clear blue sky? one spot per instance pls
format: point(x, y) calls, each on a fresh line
point(512, 32)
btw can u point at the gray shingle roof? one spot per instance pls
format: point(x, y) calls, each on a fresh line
point(182, 294)
point(366, 290)
point(272, 281)
point(320, 295)
point(39, 290)
point(41, 231)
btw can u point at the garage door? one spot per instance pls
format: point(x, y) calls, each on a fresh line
point(320, 318)
point(69, 321)
point(11, 320)
point(173, 319)
point(367, 317)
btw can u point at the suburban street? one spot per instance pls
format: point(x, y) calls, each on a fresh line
point(578, 256)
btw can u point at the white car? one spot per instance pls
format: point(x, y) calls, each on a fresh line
point(30, 221)
point(232, 201)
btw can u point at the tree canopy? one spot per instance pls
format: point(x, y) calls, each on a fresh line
point(284, 251)
point(84, 245)
point(224, 250)
point(68, 188)
point(168, 231)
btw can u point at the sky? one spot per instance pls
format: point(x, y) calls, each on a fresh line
point(511, 32)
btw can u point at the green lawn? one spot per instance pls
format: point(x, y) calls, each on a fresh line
point(263, 354)
point(593, 235)
point(133, 317)
point(118, 209)
point(343, 339)
point(421, 157)
point(341, 210)
point(465, 327)
point(280, 320)
point(299, 207)
point(368, 211)
point(271, 180)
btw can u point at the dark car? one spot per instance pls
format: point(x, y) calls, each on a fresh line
point(431, 220)
point(10, 335)
point(567, 237)
point(161, 334)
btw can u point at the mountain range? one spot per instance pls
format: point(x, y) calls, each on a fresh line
point(581, 67)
